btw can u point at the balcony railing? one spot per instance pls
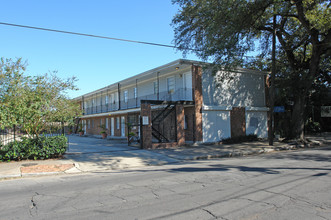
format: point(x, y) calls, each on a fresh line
point(177, 95)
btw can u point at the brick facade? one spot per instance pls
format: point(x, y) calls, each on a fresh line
point(189, 123)
point(238, 121)
point(93, 125)
point(146, 130)
point(198, 99)
point(180, 125)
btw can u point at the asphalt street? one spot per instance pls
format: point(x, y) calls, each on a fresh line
point(282, 185)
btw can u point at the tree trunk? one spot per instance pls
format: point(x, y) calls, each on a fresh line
point(298, 117)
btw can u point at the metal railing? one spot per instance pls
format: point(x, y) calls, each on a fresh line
point(15, 133)
point(177, 95)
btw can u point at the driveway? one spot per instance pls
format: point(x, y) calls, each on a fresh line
point(93, 154)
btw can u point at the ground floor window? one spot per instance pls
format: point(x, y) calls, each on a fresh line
point(107, 122)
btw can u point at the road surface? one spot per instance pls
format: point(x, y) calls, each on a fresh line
point(285, 185)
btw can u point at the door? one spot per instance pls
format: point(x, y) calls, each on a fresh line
point(187, 85)
point(123, 126)
point(112, 128)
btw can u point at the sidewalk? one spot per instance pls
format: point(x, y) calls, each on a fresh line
point(108, 156)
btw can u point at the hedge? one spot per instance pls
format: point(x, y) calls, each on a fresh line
point(34, 148)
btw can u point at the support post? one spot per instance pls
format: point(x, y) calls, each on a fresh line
point(146, 126)
point(180, 132)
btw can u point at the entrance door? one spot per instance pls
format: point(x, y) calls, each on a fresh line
point(112, 126)
point(187, 85)
point(123, 126)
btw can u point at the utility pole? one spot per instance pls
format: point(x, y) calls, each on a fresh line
point(272, 85)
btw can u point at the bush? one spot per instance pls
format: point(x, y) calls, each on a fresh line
point(239, 139)
point(34, 148)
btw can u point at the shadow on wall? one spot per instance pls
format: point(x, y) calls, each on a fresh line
point(216, 125)
point(233, 89)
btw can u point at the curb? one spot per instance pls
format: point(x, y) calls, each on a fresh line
point(73, 170)
point(232, 153)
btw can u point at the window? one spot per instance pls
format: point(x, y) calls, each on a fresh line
point(171, 84)
point(132, 119)
point(126, 96)
point(156, 87)
point(135, 92)
point(93, 102)
point(100, 121)
point(88, 124)
point(113, 98)
point(118, 123)
point(92, 123)
point(107, 122)
point(106, 99)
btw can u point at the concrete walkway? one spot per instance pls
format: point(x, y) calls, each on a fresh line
point(87, 154)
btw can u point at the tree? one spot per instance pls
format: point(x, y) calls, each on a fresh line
point(36, 104)
point(225, 31)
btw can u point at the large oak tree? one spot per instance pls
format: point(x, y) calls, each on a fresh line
point(225, 31)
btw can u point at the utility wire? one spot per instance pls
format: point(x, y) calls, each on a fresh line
point(90, 35)
point(102, 37)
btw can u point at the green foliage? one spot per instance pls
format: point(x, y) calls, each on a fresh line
point(225, 31)
point(313, 127)
point(42, 147)
point(240, 139)
point(36, 104)
point(103, 129)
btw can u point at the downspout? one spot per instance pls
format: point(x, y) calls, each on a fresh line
point(119, 96)
point(83, 105)
point(136, 93)
point(158, 86)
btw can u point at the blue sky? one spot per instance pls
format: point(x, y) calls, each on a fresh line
point(95, 62)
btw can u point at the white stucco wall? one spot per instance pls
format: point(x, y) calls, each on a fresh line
point(233, 89)
point(215, 125)
point(257, 123)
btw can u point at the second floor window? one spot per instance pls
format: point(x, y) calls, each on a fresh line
point(171, 84)
point(126, 96)
point(135, 92)
point(106, 99)
point(113, 98)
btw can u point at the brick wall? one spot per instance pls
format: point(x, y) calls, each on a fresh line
point(180, 125)
point(198, 99)
point(167, 127)
point(146, 129)
point(238, 121)
point(96, 122)
point(189, 117)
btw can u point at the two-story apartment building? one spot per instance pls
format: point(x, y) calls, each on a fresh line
point(214, 106)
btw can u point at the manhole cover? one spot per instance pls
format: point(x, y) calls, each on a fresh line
point(29, 164)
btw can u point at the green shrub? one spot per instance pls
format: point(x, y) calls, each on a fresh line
point(34, 148)
point(239, 139)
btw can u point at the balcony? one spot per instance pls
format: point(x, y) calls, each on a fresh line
point(177, 95)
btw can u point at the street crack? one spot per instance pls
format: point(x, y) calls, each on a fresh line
point(33, 208)
point(210, 213)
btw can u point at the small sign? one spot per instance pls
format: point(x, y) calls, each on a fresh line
point(145, 120)
point(279, 109)
point(325, 111)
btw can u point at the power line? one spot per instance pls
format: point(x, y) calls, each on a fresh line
point(90, 35)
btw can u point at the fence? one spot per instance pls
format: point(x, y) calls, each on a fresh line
point(15, 133)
